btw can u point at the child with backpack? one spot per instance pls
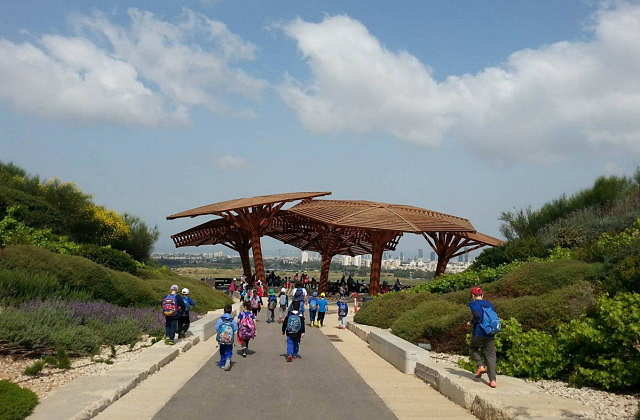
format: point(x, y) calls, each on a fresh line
point(313, 308)
point(226, 327)
point(299, 294)
point(246, 328)
point(343, 310)
point(293, 327)
point(256, 304)
point(172, 306)
point(272, 303)
point(283, 301)
point(485, 324)
point(185, 320)
point(322, 310)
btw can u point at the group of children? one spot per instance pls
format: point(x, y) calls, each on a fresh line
point(176, 308)
point(291, 316)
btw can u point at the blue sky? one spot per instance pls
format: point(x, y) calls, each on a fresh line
point(468, 108)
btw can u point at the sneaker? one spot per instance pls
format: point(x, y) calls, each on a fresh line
point(297, 356)
point(227, 364)
point(493, 384)
point(289, 359)
point(480, 371)
point(169, 342)
point(244, 353)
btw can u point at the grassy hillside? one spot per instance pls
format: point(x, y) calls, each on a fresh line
point(28, 272)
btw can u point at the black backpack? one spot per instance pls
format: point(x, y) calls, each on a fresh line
point(298, 296)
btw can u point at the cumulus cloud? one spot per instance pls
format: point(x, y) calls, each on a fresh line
point(150, 72)
point(540, 104)
point(231, 162)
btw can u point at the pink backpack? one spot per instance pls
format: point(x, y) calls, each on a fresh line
point(247, 328)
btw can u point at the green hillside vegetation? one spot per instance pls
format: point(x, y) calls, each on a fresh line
point(28, 272)
point(16, 403)
point(566, 283)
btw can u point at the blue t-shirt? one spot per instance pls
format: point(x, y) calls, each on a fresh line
point(322, 305)
point(476, 310)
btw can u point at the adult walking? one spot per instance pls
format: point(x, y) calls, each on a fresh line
point(483, 346)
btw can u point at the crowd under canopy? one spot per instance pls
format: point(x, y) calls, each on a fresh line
point(329, 227)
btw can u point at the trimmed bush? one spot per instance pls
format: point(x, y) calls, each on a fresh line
point(78, 273)
point(16, 403)
point(109, 257)
point(383, 310)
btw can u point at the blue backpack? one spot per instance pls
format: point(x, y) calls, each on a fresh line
point(294, 324)
point(342, 309)
point(490, 321)
point(313, 304)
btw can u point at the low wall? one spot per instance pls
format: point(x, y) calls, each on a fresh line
point(513, 399)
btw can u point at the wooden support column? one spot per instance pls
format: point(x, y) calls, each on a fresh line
point(257, 255)
point(246, 262)
point(324, 272)
point(378, 240)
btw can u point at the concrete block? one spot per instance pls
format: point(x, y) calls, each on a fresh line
point(400, 353)
point(428, 374)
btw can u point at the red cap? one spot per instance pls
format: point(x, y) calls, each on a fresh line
point(476, 291)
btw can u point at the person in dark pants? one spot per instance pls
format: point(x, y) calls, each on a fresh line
point(483, 346)
point(293, 328)
point(185, 320)
point(172, 306)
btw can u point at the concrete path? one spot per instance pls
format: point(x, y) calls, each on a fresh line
point(407, 396)
point(321, 385)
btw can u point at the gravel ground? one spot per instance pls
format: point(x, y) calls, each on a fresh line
point(607, 405)
point(51, 378)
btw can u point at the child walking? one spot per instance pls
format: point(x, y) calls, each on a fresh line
point(246, 328)
point(313, 308)
point(172, 305)
point(272, 303)
point(226, 327)
point(343, 310)
point(256, 304)
point(185, 320)
point(283, 301)
point(293, 327)
point(322, 310)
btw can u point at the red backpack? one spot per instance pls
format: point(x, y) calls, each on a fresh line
point(169, 305)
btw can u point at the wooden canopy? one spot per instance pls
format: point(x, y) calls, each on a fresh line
point(328, 240)
point(214, 232)
point(251, 215)
point(383, 221)
point(452, 244)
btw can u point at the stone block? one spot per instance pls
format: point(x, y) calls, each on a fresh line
point(400, 353)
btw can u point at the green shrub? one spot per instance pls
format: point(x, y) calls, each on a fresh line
point(535, 278)
point(120, 332)
point(60, 360)
point(531, 354)
point(78, 273)
point(14, 232)
point(605, 348)
point(464, 280)
point(34, 368)
point(109, 257)
point(383, 310)
point(441, 323)
point(16, 403)
point(76, 339)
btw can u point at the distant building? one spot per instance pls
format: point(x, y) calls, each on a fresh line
point(420, 253)
point(304, 257)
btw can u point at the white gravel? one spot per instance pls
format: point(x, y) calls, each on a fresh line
point(51, 378)
point(606, 405)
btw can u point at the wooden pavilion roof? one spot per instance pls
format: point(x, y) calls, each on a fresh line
point(213, 232)
point(241, 203)
point(381, 216)
point(310, 235)
point(481, 238)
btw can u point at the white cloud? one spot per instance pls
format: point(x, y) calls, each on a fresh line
point(541, 104)
point(151, 72)
point(231, 162)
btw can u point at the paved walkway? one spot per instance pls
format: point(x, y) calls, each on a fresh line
point(321, 385)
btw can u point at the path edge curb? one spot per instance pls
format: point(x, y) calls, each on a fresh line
point(87, 396)
point(521, 400)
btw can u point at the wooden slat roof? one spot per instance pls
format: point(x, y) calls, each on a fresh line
point(218, 231)
point(309, 235)
point(481, 238)
point(381, 216)
point(240, 203)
